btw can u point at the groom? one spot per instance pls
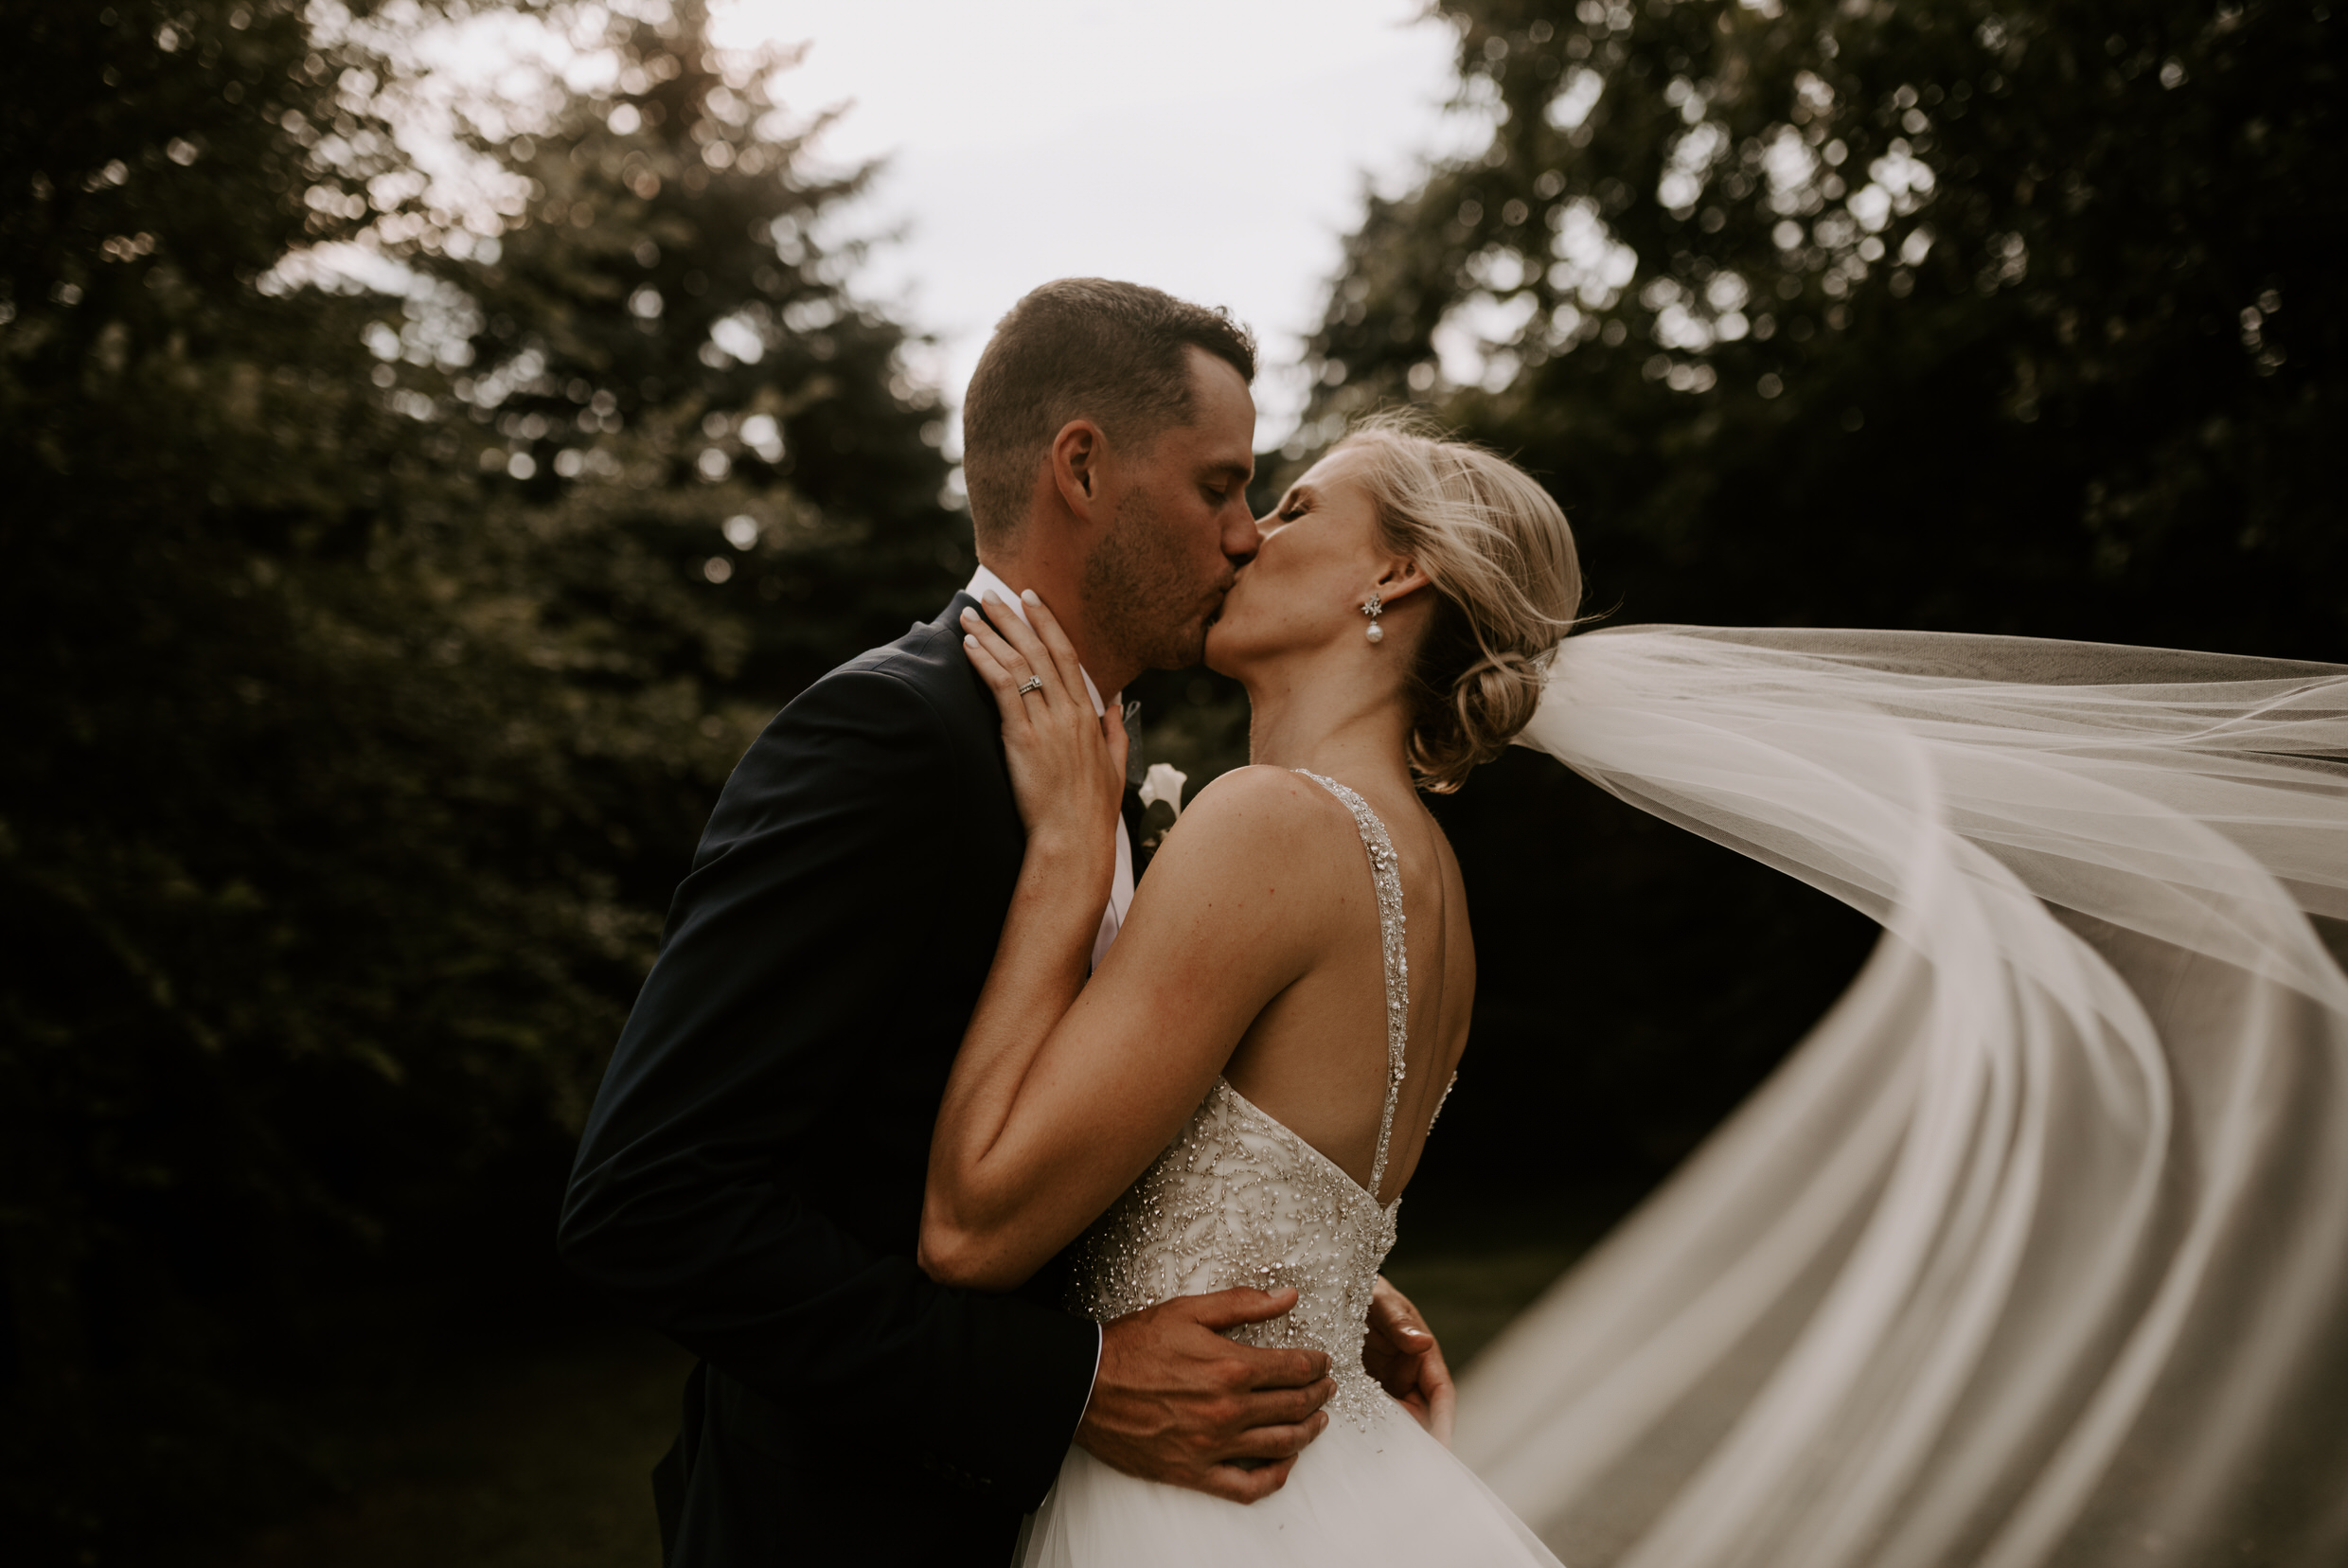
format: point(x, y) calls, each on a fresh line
point(751, 1176)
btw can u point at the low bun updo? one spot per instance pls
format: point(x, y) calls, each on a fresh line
point(1507, 585)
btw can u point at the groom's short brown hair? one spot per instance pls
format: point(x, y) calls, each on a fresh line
point(1081, 347)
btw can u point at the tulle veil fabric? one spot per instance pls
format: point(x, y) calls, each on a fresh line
point(2035, 1250)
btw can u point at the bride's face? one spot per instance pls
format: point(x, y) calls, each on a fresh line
point(1319, 559)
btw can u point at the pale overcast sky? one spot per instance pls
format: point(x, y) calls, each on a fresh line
point(1216, 149)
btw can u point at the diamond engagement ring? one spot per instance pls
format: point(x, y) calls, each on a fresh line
point(1033, 682)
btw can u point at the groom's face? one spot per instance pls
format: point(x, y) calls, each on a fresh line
point(1179, 528)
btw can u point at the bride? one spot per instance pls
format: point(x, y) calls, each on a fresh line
point(2031, 1254)
point(1247, 1083)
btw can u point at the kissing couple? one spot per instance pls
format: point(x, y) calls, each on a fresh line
point(1025, 1208)
point(1020, 1206)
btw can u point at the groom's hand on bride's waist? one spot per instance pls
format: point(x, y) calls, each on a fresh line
point(1175, 1401)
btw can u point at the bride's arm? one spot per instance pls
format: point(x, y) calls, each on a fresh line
point(1064, 1091)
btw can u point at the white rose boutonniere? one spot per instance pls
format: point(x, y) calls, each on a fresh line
point(1165, 782)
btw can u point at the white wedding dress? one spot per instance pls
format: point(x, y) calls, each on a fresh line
point(1236, 1199)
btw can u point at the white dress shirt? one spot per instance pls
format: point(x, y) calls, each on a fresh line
point(1121, 884)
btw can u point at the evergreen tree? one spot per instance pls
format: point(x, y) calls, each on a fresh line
point(710, 466)
point(365, 702)
point(677, 368)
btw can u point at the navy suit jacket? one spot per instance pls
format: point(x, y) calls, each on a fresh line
point(750, 1178)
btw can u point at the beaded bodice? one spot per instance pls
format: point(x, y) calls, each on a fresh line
point(1237, 1198)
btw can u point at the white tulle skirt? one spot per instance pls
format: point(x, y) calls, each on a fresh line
point(1357, 1498)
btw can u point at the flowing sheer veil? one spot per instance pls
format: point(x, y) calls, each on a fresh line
point(2035, 1250)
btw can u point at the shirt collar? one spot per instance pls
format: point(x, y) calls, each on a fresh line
point(984, 582)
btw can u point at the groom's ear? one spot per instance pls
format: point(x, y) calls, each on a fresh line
point(1075, 460)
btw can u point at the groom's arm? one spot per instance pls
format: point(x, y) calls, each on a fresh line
point(783, 944)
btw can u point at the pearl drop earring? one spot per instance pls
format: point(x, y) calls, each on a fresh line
point(1373, 607)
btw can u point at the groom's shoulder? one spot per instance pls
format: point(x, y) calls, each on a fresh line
point(916, 681)
point(928, 657)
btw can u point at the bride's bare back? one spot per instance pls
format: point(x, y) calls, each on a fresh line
point(1314, 1059)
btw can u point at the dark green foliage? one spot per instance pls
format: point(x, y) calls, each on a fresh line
point(348, 775)
point(2081, 378)
point(2100, 398)
point(599, 314)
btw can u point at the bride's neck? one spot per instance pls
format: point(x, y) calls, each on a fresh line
point(1330, 721)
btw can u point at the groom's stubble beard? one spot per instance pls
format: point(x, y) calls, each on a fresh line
point(1140, 596)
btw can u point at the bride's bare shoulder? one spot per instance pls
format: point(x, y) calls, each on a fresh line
point(1255, 816)
point(1254, 871)
point(1257, 784)
point(1255, 793)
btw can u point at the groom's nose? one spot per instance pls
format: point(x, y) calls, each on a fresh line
point(1242, 538)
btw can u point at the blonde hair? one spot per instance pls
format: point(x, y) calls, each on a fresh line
point(1508, 584)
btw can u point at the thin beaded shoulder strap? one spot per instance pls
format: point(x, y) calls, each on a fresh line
point(1386, 871)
